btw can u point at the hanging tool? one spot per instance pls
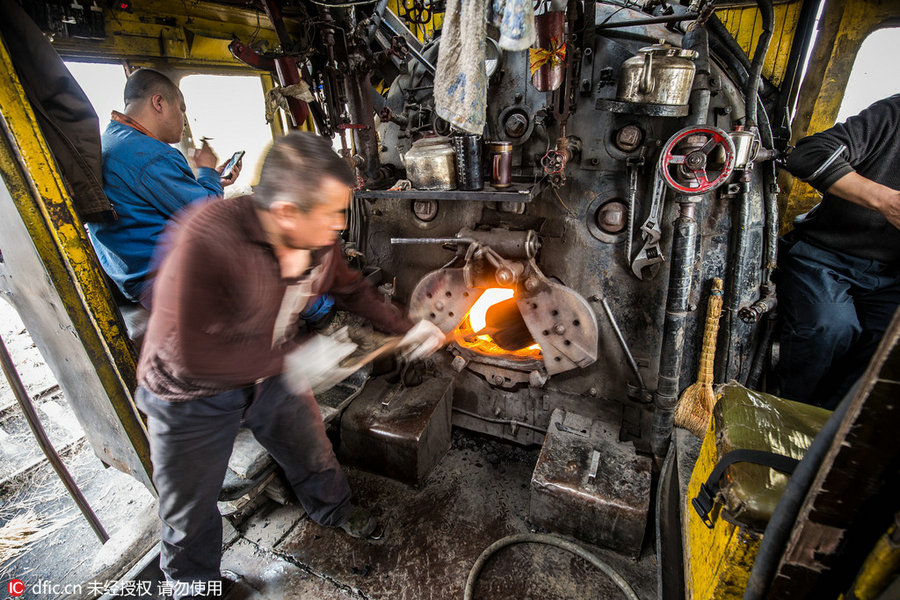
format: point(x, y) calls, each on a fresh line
point(650, 255)
point(633, 166)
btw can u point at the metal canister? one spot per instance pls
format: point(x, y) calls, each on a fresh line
point(659, 74)
point(431, 164)
point(501, 164)
point(468, 161)
point(550, 51)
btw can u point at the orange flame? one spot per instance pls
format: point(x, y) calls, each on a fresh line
point(467, 336)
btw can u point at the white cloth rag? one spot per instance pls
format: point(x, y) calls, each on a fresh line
point(460, 83)
point(515, 19)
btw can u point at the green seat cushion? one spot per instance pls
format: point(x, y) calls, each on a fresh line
point(749, 420)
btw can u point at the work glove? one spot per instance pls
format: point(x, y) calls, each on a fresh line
point(423, 340)
point(316, 364)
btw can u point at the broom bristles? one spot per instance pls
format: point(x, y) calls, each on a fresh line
point(694, 409)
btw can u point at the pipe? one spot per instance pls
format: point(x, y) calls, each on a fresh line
point(571, 9)
point(785, 514)
point(34, 422)
point(763, 305)
point(552, 540)
point(737, 269)
point(806, 21)
point(362, 111)
point(436, 240)
point(650, 21)
point(681, 272)
point(698, 40)
point(512, 423)
point(759, 359)
point(759, 56)
point(770, 198)
point(287, 73)
point(749, 75)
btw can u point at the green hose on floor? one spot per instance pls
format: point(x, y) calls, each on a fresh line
point(552, 540)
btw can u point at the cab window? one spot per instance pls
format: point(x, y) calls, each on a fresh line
point(230, 110)
point(874, 75)
point(103, 84)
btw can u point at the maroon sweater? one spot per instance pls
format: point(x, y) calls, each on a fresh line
point(216, 299)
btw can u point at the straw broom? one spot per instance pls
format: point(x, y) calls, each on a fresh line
point(19, 532)
point(695, 406)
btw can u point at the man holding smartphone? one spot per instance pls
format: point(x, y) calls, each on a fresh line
point(148, 183)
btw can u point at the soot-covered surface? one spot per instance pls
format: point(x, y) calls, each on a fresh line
point(476, 495)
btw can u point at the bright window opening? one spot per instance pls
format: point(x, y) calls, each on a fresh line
point(874, 75)
point(103, 84)
point(231, 111)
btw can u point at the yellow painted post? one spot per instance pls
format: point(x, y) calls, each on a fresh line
point(880, 567)
point(41, 198)
point(842, 29)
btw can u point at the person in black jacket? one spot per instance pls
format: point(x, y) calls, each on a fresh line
point(839, 269)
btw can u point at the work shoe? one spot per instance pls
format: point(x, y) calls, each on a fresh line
point(361, 523)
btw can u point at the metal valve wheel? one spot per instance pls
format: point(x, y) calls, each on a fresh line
point(685, 159)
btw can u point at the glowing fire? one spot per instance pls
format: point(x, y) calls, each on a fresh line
point(474, 332)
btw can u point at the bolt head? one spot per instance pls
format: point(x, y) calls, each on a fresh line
point(516, 125)
point(611, 217)
point(559, 329)
point(629, 138)
point(504, 276)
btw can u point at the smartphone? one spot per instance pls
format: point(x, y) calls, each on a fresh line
point(229, 167)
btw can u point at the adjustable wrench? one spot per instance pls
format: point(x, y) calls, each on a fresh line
point(649, 256)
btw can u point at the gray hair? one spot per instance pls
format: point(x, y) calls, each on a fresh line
point(294, 168)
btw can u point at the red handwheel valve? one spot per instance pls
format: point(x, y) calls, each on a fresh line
point(697, 159)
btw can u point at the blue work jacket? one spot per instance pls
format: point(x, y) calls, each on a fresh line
point(148, 183)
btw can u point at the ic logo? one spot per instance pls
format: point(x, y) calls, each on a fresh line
point(15, 587)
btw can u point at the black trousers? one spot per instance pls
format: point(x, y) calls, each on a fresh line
point(190, 443)
point(835, 309)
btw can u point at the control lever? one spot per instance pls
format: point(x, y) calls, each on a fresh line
point(650, 255)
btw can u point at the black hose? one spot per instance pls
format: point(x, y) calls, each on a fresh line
point(698, 40)
point(759, 359)
point(749, 75)
point(690, 16)
point(737, 269)
point(759, 57)
point(681, 273)
point(770, 198)
point(552, 540)
point(785, 514)
point(717, 28)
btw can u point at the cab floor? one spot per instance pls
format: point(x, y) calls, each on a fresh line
point(433, 535)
